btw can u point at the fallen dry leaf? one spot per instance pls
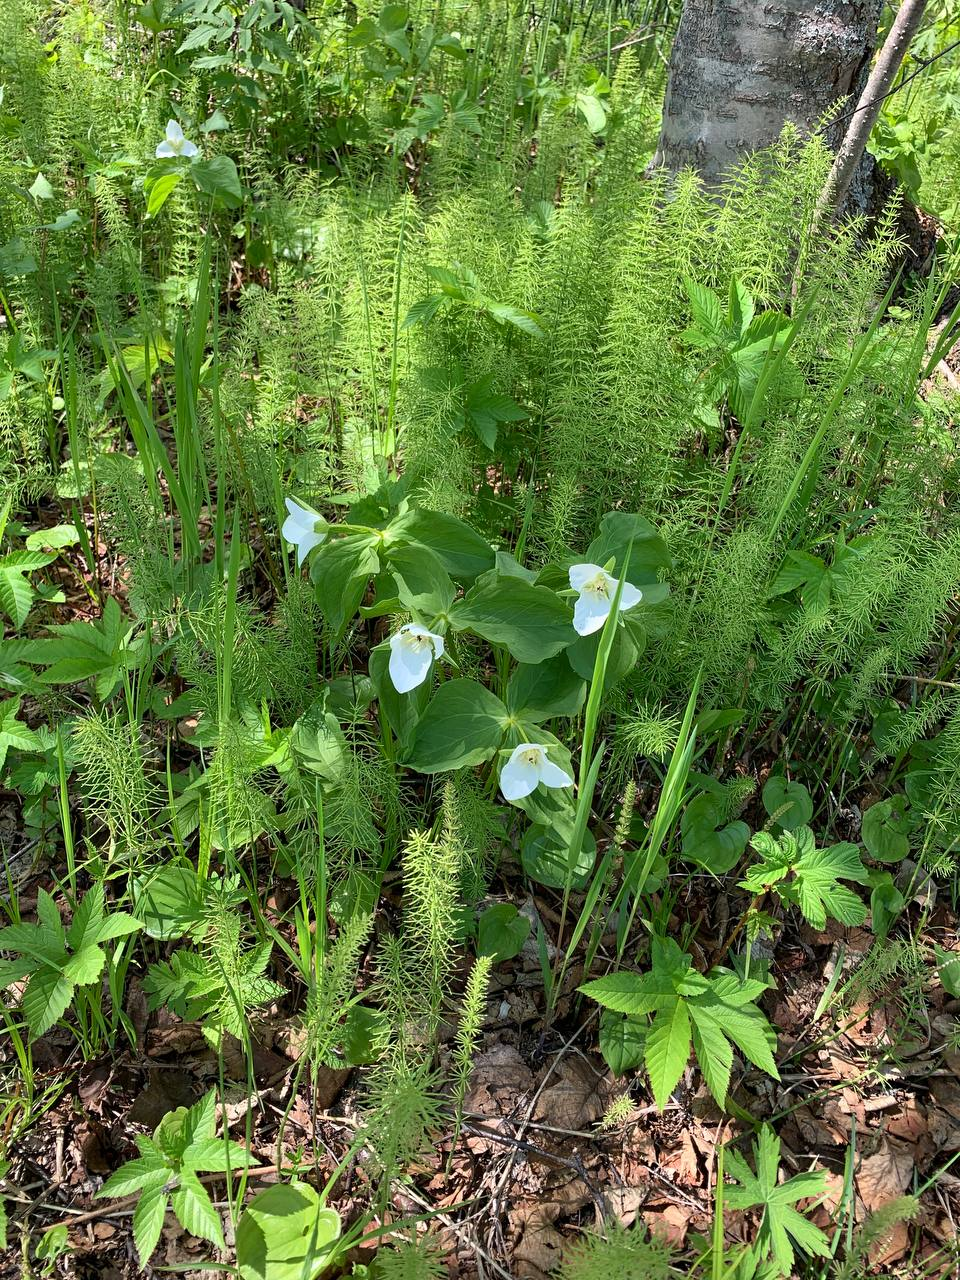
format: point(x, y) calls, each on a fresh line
point(574, 1099)
point(885, 1175)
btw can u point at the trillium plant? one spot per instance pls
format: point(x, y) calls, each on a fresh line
point(175, 145)
point(533, 634)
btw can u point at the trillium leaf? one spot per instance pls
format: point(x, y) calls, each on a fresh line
point(704, 840)
point(539, 691)
point(218, 177)
point(462, 551)
point(342, 568)
point(532, 622)
point(463, 725)
point(789, 800)
point(886, 830)
point(285, 1233)
point(502, 931)
point(402, 710)
point(545, 857)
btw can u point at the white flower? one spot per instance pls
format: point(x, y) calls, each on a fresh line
point(526, 768)
point(175, 144)
point(304, 528)
point(412, 651)
point(597, 589)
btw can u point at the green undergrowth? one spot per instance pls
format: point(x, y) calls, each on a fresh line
point(666, 488)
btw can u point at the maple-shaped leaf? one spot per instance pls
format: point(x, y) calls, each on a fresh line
point(783, 1228)
point(793, 868)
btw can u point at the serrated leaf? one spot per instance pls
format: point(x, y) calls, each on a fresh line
point(45, 999)
point(714, 1054)
point(667, 1051)
point(85, 966)
point(148, 1220)
point(195, 1211)
point(146, 1171)
point(16, 596)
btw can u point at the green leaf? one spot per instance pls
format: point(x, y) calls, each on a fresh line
point(791, 797)
point(150, 1170)
point(85, 965)
point(714, 1054)
point(195, 1211)
point(667, 1051)
point(59, 536)
point(592, 110)
point(649, 558)
point(948, 967)
point(501, 932)
point(41, 189)
point(703, 841)
point(285, 1233)
point(402, 710)
point(463, 725)
point(423, 583)
point(886, 829)
point(622, 1041)
point(544, 852)
point(169, 902)
point(14, 735)
point(532, 622)
point(16, 595)
point(148, 1220)
point(341, 569)
point(218, 177)
point(45, 999)
point(540, 691)
point(461, 550)
point(158, 190)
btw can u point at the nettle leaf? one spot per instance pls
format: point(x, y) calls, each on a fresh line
point(14, 735)
point(148, 1219)
point(46, 999)
point(789, 801)
point(463, 725)
point(622, 1041)
point(667, 1050)
point(532, 622)
point(195, 1211)
point(706, 842)
point(800, 873)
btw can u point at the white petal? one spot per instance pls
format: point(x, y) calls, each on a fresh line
point(189, 148)
point(590, 613)
point(582, 573)
point(165, 151)
point(174, 132)
point(408, 666)
point(518, 778)
point(552, 775)
point(630, 595)
point(412, 629)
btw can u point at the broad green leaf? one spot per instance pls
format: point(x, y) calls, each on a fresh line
point(717, 848)
point(540, 691)
point(667, 1051)
point(341, 569)
point(423, 583)
point(886, 829)
point(632, 993)
point(545, 851)
point(158, 190)
point(792, 798)
point(402, 710)
point(146, 1171)
point(285, 1233)
point(463, 725)
point(501, 932)
point(532, 622)
point(85, 965)
point(218, 177)
point(462, 551)
point(948, 965)
point(170, 901)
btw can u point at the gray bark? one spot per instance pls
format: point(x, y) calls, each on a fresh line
point(741, 69)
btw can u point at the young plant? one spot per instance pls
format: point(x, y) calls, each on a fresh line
point(801, 875)
point(58, 961)
point(715, 1012)
point(783, 1228)
point(183, 1145)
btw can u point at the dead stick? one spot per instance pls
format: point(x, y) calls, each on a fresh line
point(865, 115)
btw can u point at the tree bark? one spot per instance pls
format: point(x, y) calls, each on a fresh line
point(741, 69)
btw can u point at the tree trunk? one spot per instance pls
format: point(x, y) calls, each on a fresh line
point(740, 69)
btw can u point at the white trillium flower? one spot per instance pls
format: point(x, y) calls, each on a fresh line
point(412, 651)
point(175, 144)
point(304, 528)
point(597, 589)
point(527, 767)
